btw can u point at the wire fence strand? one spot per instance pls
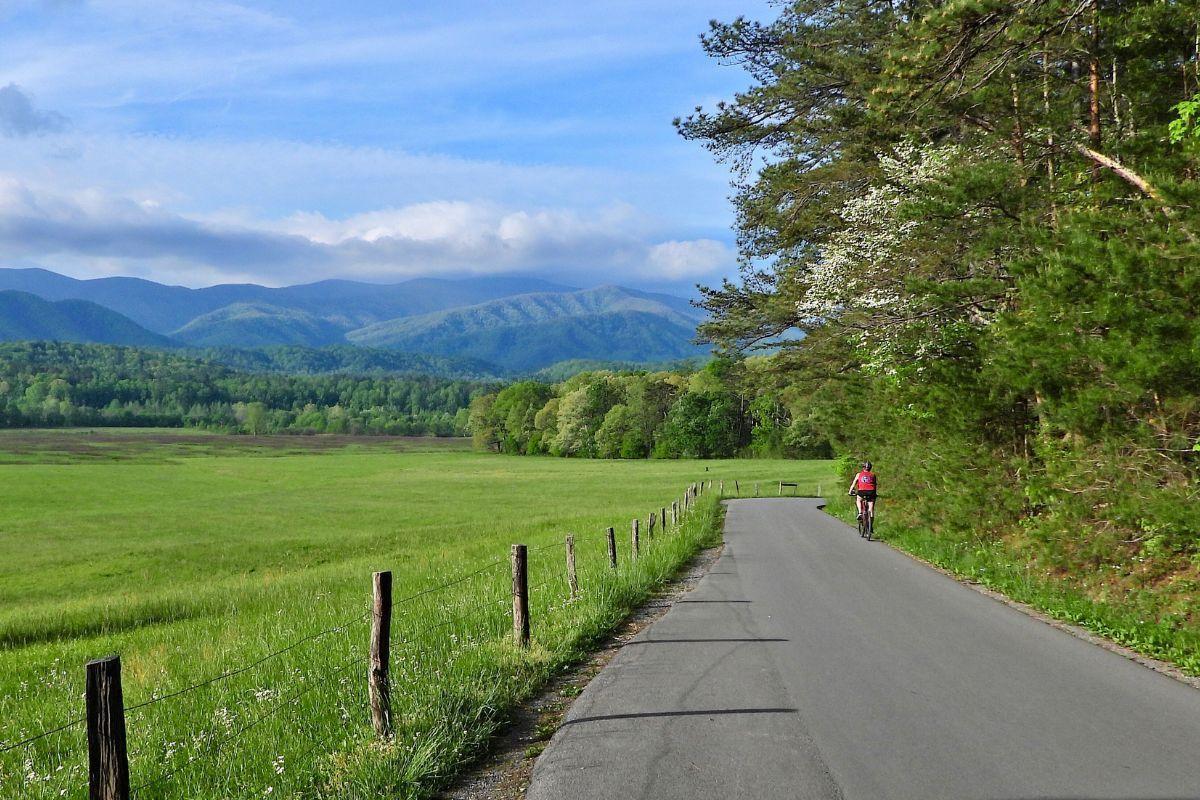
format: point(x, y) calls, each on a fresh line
point(465, 610)
point(26, 742)
point(217, 747)
point(246, 668)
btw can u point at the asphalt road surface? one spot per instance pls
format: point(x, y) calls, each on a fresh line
point(810, 663)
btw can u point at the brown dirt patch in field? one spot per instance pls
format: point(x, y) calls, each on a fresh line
point(88, 445)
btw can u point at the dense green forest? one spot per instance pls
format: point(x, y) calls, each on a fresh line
point(683, 413)
point(49, 384)
point(343, 359)
point(983, 215)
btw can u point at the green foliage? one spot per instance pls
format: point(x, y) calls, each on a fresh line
point(1185, 126)
point(565, 370)
point(995, 269)
point(344, 359)
point(48, 384)
point(680, 414)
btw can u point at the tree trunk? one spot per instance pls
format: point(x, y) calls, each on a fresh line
point(1050, 177)
point(1018, 133)
point(1094, 133)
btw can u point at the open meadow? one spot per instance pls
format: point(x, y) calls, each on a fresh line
point(233, 576)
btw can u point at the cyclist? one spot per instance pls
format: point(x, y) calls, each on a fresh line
point(863, 485)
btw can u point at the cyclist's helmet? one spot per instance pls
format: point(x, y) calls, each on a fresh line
point(867, 466)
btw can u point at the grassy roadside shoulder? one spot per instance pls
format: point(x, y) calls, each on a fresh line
point(1141, 623)
point(454, 723)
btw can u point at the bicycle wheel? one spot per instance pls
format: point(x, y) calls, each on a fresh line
point(862, 524)
point(870, 525)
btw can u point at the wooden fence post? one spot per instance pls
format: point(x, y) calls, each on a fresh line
point(520, 590)
point(108, 759)
point(737, 487)
point(721, 489)
point(635, 546)
point(781, 488)
point(650, 525)
point(379, 688)
point(756, 488)
point(612, 547)
point(674, 513)
point(572, 582)
point(662, 514)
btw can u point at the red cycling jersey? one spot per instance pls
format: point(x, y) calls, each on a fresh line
point(864, 481)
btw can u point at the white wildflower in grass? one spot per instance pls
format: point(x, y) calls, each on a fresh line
point(278, 765)
point(224, 717)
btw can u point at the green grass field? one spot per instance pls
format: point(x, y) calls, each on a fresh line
point(192, 556)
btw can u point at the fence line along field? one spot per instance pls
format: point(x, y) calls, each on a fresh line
point(235, 582)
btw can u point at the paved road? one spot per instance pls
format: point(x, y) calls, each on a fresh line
point(812, 664)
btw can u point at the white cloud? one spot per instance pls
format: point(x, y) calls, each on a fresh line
point(456, 238)
point(694, 259)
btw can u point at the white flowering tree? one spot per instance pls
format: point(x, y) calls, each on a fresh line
point(902, 272)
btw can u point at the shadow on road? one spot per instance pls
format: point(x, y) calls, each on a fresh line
point(708, 712)
point(699, 641)
point(713, 601)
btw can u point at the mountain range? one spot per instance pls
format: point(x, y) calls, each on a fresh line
point(516, 325)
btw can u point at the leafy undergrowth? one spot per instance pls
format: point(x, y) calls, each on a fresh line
point(1155, 616)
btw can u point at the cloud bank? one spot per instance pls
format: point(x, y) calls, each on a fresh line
point(446, 238)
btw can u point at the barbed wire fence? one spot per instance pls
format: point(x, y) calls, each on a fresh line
point(473, 627)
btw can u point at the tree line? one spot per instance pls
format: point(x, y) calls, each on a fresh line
point(686, 413)
point(58, 384)
point(985, 217)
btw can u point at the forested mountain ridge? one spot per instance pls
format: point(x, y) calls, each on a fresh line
point(984, 215)
point(258, 325)
point(517, 325)
point(24, 316)
point(531, 309)
point(531, 331)
point(349, 304)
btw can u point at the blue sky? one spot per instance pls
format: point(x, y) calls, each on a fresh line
point(283, 142)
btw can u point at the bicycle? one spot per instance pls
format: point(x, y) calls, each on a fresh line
point(866, 520)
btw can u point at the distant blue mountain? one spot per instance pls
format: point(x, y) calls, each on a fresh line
point(348, 304)
point(516, 325)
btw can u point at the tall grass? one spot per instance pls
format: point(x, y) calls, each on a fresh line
point(296, 724)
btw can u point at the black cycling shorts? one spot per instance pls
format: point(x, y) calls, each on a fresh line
point(867, 495)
